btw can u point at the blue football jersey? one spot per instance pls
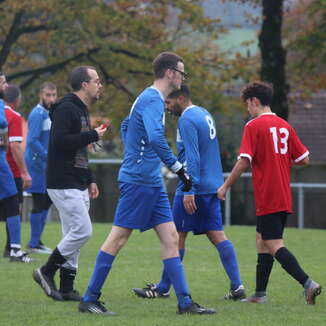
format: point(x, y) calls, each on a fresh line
point(198, 150)
point(145, 145)
point(39, 125)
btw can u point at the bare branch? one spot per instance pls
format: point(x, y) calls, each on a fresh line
point(33, 29)
point(15, 32)
point(32, 74)
point(110, 79)
point(11, 37)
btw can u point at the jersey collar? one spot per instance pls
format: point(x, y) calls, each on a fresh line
point(161, 95)
point(187, 108)
point(267, 113)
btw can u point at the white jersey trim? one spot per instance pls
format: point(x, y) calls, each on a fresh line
point(176, 166)
point(245, 155)
point(187, 108)
point(266, 113)
point(300, 158)
point(16, 138)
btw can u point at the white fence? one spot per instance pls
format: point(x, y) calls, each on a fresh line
point(300, 186)
point(301, 193)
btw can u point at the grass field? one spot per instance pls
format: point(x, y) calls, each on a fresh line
point(23, 302)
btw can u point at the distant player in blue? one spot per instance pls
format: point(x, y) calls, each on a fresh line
point(198, 210)
point(8, 189)
point(143, 202)
point(39, 125)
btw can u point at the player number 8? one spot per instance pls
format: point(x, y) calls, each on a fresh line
point(212, 130)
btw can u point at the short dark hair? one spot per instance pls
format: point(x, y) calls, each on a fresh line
point(263, 91)
point(48, 85)
point(184, 91)
point(163, 62)
point(11, 93)
point(78, 76)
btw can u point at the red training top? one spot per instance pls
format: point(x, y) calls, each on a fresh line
point(15, 133)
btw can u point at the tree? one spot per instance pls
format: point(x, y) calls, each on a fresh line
point(304, 34)
point(44, 40)
point(273, 55)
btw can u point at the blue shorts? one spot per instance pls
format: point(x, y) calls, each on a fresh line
point(7, 181)
point(142, 207)
point(208, 216)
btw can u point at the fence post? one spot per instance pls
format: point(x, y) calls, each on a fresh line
point(228, 208)
point(300, 207)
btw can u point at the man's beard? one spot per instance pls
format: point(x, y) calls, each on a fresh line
point(46, 106)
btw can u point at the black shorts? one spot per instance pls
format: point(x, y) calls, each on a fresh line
point(271, 226)
point(19, 186)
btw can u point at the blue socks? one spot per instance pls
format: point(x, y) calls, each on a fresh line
point(13, 223)
point(102, 268)
point(36, 229)
point(229, 260)
point(165, 283)
point(175, 272)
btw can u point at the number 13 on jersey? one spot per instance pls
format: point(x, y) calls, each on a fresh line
point(281, 134)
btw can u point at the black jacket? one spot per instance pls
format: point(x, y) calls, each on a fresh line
point(67, 162)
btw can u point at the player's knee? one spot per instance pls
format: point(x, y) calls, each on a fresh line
point(216, 237)
point(85, 232)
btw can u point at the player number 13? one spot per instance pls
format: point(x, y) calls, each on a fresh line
point(284, 135)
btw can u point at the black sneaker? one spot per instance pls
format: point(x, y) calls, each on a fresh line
point(19, 256)
point(71, 296)
point(150, 292)
point(196, 309)
point(95, 307)
point(47, 284)
point(238, 294)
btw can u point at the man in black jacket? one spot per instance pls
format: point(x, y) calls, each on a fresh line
point(69, 180)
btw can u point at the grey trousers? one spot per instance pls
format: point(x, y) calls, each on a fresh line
point(73, 206)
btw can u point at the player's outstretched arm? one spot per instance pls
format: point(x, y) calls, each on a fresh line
point(241, 166)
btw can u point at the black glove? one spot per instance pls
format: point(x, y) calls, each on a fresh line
point(185, 178)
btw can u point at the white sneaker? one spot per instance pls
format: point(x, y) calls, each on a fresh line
point(19, 256)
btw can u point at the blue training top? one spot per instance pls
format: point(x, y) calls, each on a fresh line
point(144, 140)
point(198, 150)
point(3, 121)
point(39, 125)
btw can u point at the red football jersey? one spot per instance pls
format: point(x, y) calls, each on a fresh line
point(15, 133)
point(272, 146)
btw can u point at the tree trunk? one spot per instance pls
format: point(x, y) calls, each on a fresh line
point(273, 55)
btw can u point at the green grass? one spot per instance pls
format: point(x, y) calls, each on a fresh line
point(23, 302)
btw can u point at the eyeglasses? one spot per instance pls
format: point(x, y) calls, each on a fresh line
point(184, 74)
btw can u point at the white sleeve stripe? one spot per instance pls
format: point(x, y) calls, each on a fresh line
point(12, 139)
point(245, 155)
point(176, 166)
point(300, 158)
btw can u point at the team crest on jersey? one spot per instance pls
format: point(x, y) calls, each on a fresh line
point(46, 124)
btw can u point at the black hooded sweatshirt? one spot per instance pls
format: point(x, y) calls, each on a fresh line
point(67, 162)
